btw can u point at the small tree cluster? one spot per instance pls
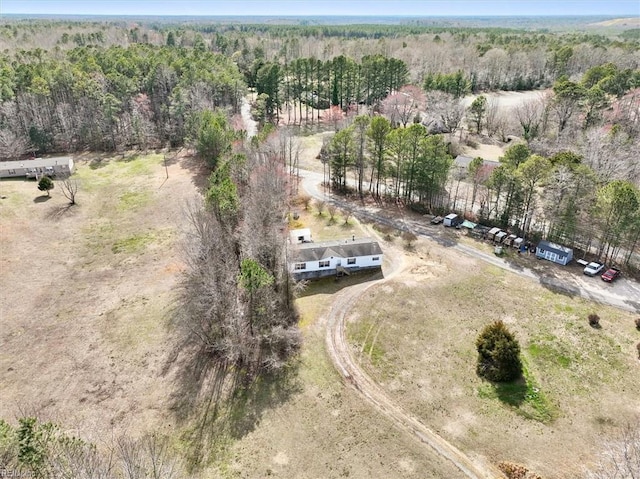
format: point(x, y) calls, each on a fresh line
point(498, 354)
point(638, 324)
point(516, 471)
point(43, 450)
point(594, 320)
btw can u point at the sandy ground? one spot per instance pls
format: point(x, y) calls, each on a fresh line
point(507, 99)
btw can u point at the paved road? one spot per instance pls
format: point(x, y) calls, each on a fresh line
point(623, 293)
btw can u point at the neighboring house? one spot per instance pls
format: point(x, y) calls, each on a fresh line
point(302, 235)
point(554, 252)
point(317, 260)
point(37, 167)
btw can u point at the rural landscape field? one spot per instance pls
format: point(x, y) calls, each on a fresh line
point(153, 319)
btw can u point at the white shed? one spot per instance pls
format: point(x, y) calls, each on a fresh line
point(302, 235)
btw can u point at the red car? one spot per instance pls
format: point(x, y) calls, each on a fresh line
point(610, 275)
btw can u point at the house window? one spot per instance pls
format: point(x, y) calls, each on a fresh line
point(375, 258)
point(351, 261)
point(299, 266)
point(324, 264)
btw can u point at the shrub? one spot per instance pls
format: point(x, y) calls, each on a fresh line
point(320, 204)
point(306, 201)
point(45, 184)
point(594, 320)
point(516, 471)
point(638, 324)
point(498, 354)
point(409, 238)
point(638, 346)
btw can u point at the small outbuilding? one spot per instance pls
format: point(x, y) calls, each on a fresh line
point(302, 235)
point(509, 240)
point(452, 220)
point(492, 233)
point(554, 252)
point(500, 236)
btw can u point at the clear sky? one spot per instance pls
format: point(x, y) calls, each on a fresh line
point(326, 7)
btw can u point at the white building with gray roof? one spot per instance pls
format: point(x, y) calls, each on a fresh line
point(317, 260)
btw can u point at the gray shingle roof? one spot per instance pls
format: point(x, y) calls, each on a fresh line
point(337, 249)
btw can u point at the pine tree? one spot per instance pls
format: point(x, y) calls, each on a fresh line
point(498, 354)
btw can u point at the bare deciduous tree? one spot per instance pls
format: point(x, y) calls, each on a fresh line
point(620, 458)
point(69, 188)
point(530, 115)
point(444, 112)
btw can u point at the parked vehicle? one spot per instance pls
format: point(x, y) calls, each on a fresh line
point(437, 220)
point(593, 268)
point(610, 275)
point(452, 220)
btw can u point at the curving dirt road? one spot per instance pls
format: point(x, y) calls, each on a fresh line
point(340, 353)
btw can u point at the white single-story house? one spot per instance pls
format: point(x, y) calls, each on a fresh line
point(554, 252)
point(317, 260)
point(302, 235)
point(37, 167)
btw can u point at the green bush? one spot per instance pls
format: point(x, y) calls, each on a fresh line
point(498, 354)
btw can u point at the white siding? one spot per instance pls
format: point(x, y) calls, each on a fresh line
point(361, 262)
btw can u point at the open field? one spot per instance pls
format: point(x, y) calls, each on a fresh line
point(87, 294)
point(416, 335)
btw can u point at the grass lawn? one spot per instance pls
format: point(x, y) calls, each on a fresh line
point(416, 335)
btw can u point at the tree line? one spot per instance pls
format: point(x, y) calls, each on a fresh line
point(305, 85)
point(109, 98)
point(405, 164)
point(237, 300)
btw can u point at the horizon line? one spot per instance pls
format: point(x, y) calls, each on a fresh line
point(630, 15)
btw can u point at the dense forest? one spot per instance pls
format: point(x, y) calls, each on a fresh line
point(394, 94)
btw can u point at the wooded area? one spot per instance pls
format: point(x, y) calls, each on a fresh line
point(400, 102)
